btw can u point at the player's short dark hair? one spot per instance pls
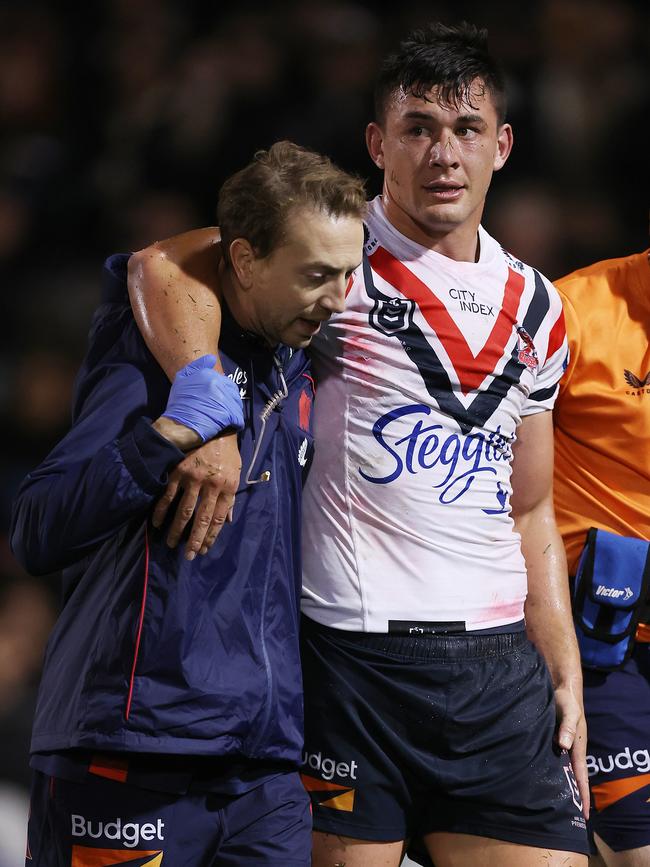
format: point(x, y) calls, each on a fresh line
point(447, 57)
point(255, 202)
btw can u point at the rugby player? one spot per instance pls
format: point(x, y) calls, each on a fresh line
point(602, 497)
point(429, 535)
point(169, 724)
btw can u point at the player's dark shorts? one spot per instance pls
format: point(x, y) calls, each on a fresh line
point(617, 707)
point(410, 735)
point(104, 822)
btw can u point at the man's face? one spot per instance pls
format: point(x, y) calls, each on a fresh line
point(438, 161)
point(302, 282)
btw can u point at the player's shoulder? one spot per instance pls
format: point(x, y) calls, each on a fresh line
point(538, 281)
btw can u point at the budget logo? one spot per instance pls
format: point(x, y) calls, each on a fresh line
point(128, 835)
point(87, 856)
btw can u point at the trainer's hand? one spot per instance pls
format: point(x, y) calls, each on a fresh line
point(572, 736)
point(208, 476)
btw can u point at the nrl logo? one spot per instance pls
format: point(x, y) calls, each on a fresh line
point(573, 786)
point(392, 316)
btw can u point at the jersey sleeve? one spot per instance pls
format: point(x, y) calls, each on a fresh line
point(111, 465)
point(553, 352)
point(572, 325)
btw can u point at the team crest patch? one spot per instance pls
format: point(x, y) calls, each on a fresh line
point(526, 348)
point(392, 315)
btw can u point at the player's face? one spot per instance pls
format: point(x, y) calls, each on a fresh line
point(438, 161)
point(301, 283)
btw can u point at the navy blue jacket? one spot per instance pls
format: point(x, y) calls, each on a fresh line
point(153, 653)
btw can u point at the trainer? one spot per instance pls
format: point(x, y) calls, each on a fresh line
point(169, 719)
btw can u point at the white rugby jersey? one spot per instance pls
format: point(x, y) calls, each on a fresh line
point(421, 384)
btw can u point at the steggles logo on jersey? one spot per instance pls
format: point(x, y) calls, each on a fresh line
point(463, 459)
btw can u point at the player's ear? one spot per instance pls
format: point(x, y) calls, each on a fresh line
point(375, 144)
point(504, 146)
point(242, 258)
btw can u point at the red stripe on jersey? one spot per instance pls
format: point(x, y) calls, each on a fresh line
point(557, 335)
point(349, 286)
point(471, 370)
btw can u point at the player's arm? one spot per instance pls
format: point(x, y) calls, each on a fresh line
point(548, 605)
point(174, 293)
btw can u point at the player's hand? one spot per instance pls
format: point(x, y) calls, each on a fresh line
point(208, 479)
point(572, 736)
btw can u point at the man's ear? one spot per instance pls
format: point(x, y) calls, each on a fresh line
point(504, 146)
point(375, 144)
point(242, 258)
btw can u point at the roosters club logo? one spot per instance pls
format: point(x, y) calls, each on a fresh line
point(526, 348)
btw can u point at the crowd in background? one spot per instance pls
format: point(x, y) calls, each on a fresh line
point(120, 120)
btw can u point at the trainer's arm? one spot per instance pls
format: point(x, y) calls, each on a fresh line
point(114, 462)
point(105, 472)
point(174, 293)
point(548, 606)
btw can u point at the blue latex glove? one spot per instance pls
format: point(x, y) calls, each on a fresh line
point(205, 400)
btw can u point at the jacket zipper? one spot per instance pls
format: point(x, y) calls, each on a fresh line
point(277, 398)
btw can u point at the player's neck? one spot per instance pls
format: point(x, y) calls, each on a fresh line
point(459, 242)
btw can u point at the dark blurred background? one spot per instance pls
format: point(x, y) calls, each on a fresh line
point(120, 119)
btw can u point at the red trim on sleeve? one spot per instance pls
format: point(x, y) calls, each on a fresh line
point(140, 621)
point(557, 335)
